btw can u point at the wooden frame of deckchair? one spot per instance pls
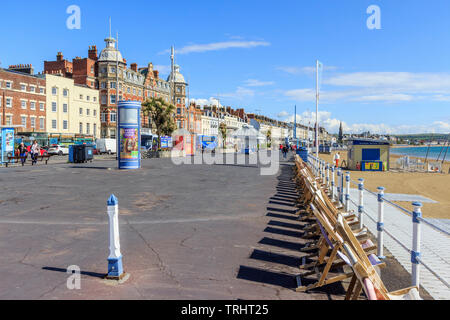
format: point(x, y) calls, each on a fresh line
point(363, 268)
point(322, 271)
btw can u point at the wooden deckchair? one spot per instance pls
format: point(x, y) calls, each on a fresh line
point(366, 275)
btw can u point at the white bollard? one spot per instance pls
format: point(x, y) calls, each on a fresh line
point(380, 224)
point(347, 192)
point(332, 183)
point(115, 267)
point(415, 252)
point(361, 203)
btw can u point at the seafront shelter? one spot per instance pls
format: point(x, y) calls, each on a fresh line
point(368, 155)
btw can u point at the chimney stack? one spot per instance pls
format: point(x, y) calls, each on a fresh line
point(92, 53)
point(134, 67)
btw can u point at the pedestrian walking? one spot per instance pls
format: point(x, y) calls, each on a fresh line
point(337, 157)
point(285, 151)
point(22, 151)
point(35, 149)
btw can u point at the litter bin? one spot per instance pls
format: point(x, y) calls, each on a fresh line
point(83, 153)
point(303, 153)
point(71, 152)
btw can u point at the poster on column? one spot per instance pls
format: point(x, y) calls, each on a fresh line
point(129, 144)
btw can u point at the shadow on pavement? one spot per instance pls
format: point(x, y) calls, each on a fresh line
point(85, 273)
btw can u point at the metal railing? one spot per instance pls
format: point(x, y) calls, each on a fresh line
point(321, 168)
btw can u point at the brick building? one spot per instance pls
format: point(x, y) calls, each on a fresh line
point(22, 99)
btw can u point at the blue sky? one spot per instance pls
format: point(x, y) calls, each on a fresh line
point(259, 54)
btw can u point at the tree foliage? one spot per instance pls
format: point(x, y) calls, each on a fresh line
point(162, 115)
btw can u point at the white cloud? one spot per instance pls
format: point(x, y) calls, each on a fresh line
point(207, 102)
point(283, 114)
point(258, 83)
point(304, 70)
point(332, 125)
point(219, 46)
point(162, 69)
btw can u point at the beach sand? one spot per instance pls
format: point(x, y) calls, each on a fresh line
point(435, 186)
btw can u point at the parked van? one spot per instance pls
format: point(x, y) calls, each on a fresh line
point(108, 146)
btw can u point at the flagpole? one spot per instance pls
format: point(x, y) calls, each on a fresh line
point(317, 108)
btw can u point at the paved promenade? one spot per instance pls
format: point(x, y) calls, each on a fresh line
point(435, 245)
point(187, 232)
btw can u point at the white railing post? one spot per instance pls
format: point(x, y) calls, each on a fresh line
point(380, 224)
point(115, 267)
point(332, 183)
point(341, 187)
point(415, 252)
point(328, 175)
point(347, 192)
point(339, 184)
point(361, 203)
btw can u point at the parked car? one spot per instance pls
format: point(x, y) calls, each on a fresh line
point(59, 150)
point(108, 146)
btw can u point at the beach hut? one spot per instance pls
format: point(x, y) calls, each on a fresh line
point(368, 155)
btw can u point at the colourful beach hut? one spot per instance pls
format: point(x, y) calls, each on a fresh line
point(368, 155)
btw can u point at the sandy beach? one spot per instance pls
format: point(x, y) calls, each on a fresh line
point(435, 186)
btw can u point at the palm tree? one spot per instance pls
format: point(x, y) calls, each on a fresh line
point(269, 138)
point(161, 113)
point(223, 132)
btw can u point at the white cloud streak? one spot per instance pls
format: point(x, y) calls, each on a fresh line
point(216, 46)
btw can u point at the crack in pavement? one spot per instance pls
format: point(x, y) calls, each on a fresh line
point(162, 267)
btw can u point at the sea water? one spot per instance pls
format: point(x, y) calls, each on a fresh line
point(421, 152)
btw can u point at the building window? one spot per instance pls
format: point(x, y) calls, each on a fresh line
point(9, 102)
point(8, 85)
point(23, 87)
point(8, 120)
point(113, 117)
point(24, 121)
point(178, 110)
point(88, 128)
point(41, 106)
point(65, 107)
point(54, 91)
point(23, 104)
point(41, 123)
point(104, 99)
point(53, 124)
point(81, 111)
point(88, 98)
point(103, 85)
point(113, 99)
point(81, 128)
point(95, 113)
point(65, 124)
point(134, 91)
point(113, 133)
point(33, 122)
point(103, 116)
point(53, 106)
point(95, 99)
point(32, 105)
point(88, 111)
point(112, 85)
point(95, 130)
point(41, 90)
point(32, 89)
point(65, 92)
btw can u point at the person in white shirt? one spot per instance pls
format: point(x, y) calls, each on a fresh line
point(337, 157)
point(35, 149)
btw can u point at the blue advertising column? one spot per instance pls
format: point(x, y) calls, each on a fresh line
point(6, 143)
point(129, 153)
